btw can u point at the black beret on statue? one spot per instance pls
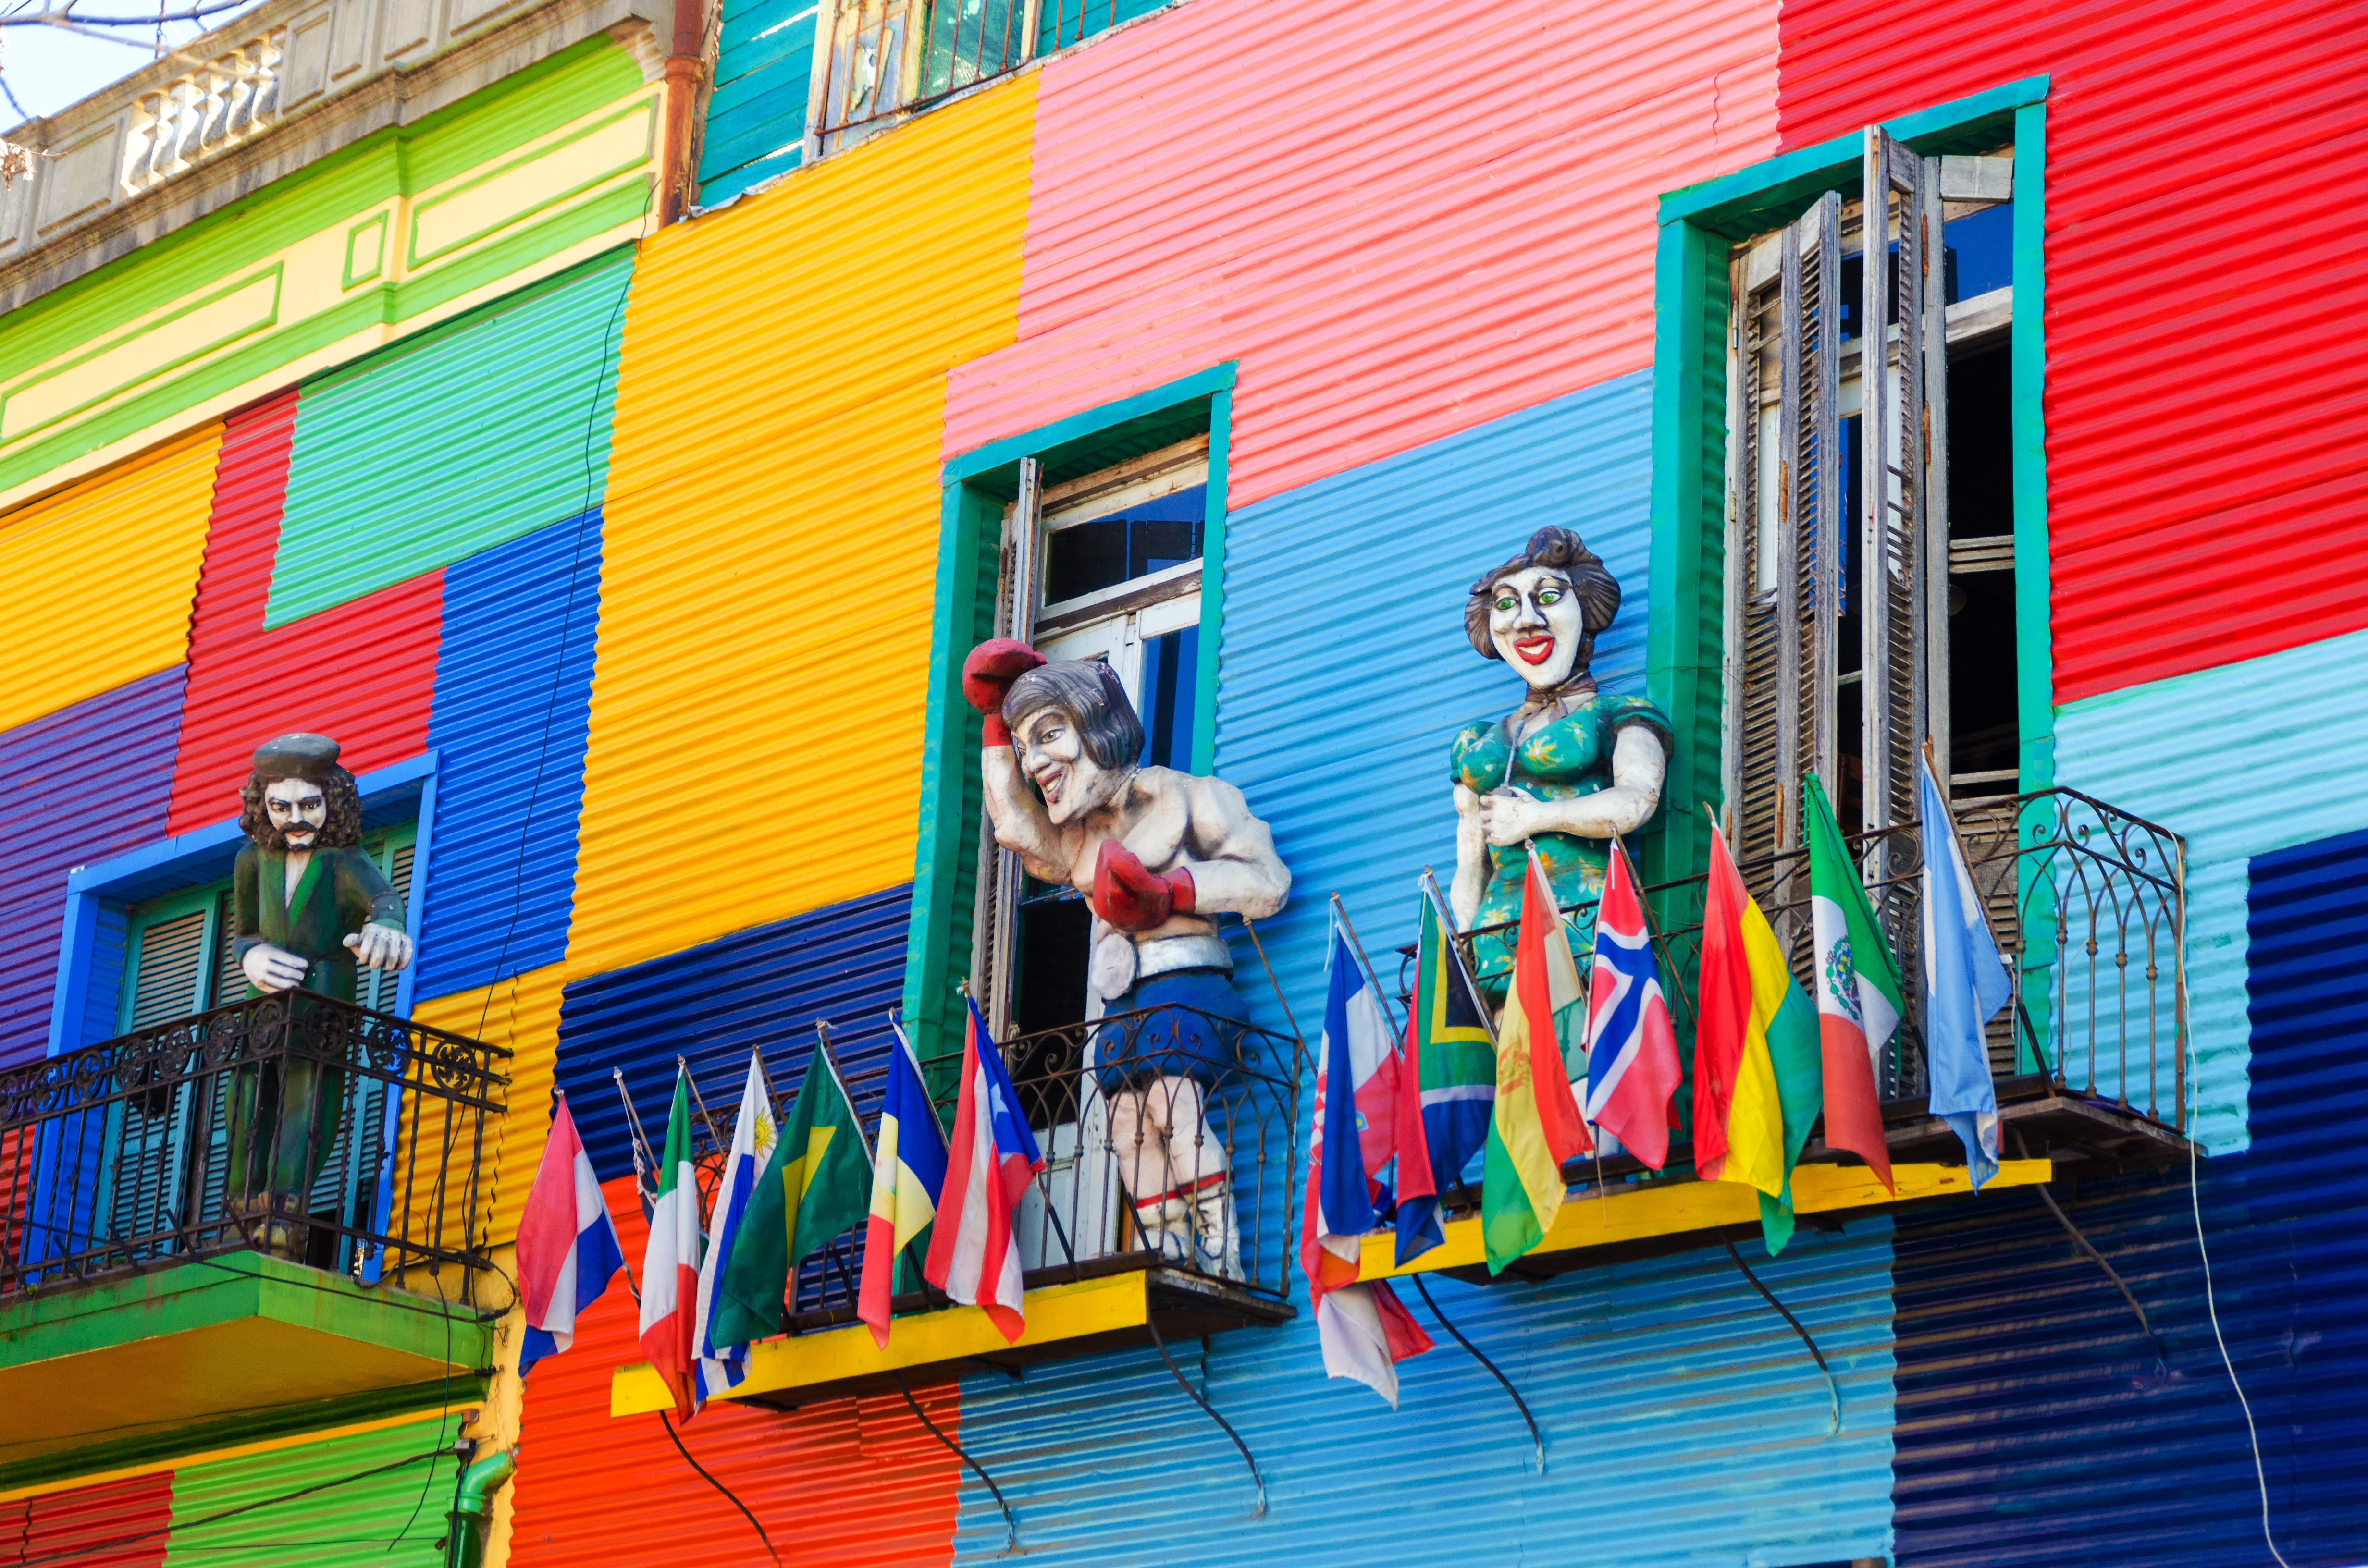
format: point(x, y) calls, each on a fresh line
point(298, 756)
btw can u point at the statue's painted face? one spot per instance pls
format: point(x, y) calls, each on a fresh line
point(1053, 753)
point(298, 809)
point(1535, 621)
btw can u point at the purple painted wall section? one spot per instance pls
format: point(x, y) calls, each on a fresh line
point(85, 782)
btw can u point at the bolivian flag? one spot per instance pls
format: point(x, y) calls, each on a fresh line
point(1757, 1078)
point(1537, 1124)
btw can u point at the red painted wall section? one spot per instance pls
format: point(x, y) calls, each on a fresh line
point(1437, 217)
point(851, 1484)
point(363, 672)
point(117, 1524)
point(2208, 440)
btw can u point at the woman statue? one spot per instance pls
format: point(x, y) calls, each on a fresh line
point(1566, 770)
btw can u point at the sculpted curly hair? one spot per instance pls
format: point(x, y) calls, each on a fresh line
point(342, 827)
point(1564, 551)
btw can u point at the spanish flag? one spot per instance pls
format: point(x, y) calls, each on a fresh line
point(1537, 1124)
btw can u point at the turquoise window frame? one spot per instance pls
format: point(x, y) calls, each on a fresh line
point(977, 486)
point(1699, 226)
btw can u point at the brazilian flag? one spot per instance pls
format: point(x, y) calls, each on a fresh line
point(816, 1185)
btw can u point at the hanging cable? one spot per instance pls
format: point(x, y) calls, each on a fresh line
point(1833, 1389)
point(2162, 1360)
point(1182, 1382)
point(667, 1420)
point(1518, 1404)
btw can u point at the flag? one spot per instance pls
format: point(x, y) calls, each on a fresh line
point(1363, 1328)
point(906, 1176)
point(567, 1249)
point(1447, 1082)
point(1859, 999)
point(1965, 984)
point(813, 1188)
point(722, 1352)
point(1536, 1123)
point(1632, 1053)
point(1738, 1114)
point(989, 1161)
point(670, 1262)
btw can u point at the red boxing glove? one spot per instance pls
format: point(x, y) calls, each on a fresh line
point(1128, 895)
point(988, 675)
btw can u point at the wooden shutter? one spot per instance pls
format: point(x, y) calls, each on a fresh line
point(168, 969)
point(1784, 563)
point(996, 922)
point(167, 975)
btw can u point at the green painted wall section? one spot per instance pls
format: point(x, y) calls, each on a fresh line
point(334, 190)
point(757, 116)
point(470, 436)
point(369, 1500)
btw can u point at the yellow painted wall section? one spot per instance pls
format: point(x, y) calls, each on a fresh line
point(771, 537)
point(521, 1014)
point(96, 581)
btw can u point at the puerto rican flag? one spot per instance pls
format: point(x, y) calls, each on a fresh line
point(567, 1249)
point(990, 1160)
point(1632, 1053)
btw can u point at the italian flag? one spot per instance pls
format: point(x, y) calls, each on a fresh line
point(670, 1265)
point(1537, 1124)
point(1860, 1000)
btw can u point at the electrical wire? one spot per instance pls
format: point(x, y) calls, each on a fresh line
point(668, 1421)
point(2211, 1308)
point(1833, 1389)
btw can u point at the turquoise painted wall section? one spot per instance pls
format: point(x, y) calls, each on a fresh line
point(757, 116)
point(466, 437)
point(2243, 759)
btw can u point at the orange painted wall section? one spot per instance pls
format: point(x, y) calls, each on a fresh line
point(852, 1483)
point(2208, 440)
point(1437, 217)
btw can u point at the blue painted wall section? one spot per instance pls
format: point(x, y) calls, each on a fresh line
point(2037, 1422)
point(513, 697)
point(75, 786)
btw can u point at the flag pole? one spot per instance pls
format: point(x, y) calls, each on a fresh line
point(1348, 929)
point(700, 1100)
point(643, 1161)
point(830, 1059)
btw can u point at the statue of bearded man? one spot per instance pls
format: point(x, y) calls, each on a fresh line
point(1160, 854)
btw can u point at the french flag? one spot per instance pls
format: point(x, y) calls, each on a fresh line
point(567, 1249)
point(990, 1160)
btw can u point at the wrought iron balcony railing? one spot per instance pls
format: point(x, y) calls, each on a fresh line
point(317, 1131)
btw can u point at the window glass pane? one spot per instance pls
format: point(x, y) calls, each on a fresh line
point(1063, 22)
point(1169, 666)
point(1148, 536)
point(969, 40)
point(1978, 251)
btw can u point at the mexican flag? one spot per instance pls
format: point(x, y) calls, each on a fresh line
point(1536, 1125)
point(816, 1185)
point(1859, 999)
point(671, 1263)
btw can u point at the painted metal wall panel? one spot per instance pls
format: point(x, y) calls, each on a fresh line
point(756, 115)
point(2035, 1425)
point(521, 1015)
point(853, 1483)
point(74, 787)
point(114, 1524)
point(2177, 371)
point(777, 462)
point(513, 684)
point(96, 581)
point(2299, 713)
point(760, 989)
point(1389, 261)
point(349, 1519)
point(450, 443)
point(363, 672)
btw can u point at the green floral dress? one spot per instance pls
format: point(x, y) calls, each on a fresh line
point(1566, 761)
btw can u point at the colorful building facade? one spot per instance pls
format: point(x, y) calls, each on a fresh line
point(611, 427)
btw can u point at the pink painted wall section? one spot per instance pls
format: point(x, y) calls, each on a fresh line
point(1440, 217)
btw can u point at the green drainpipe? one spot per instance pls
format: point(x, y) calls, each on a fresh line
point(473, 1508)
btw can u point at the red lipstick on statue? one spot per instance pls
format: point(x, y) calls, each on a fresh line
point(1535, 650)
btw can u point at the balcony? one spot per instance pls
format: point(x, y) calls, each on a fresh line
point(268, 1203)
point(1101, 1271)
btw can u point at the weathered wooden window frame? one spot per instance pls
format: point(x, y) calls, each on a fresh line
point(977, 487)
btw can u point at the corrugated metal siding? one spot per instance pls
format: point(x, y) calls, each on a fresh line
point(2165, 122)
point(392, 1519)
point(760, 989)
point(363, 672)
point(850, 1483)
point(96, 581)
point(2141, 749)
point(777, 449)
point(115, 1524)
point(513, 687)
point(756, 115)
point(2034, 1423)
point(105, 764)
point(464, 438)
point(521, 1014)
point(1445, 223)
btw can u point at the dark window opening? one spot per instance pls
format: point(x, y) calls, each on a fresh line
point(1170, 666)
point(1976, 256)
point(1982, 719)
point(1148, 536)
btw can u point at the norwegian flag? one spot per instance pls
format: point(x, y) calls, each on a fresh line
point(1631, 1053)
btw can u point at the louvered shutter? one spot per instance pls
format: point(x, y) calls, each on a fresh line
point(168, 965)
point(996, 921)
point(1784, 477)
point(377, 988)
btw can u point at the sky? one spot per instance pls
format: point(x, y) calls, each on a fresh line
point(44, 69)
